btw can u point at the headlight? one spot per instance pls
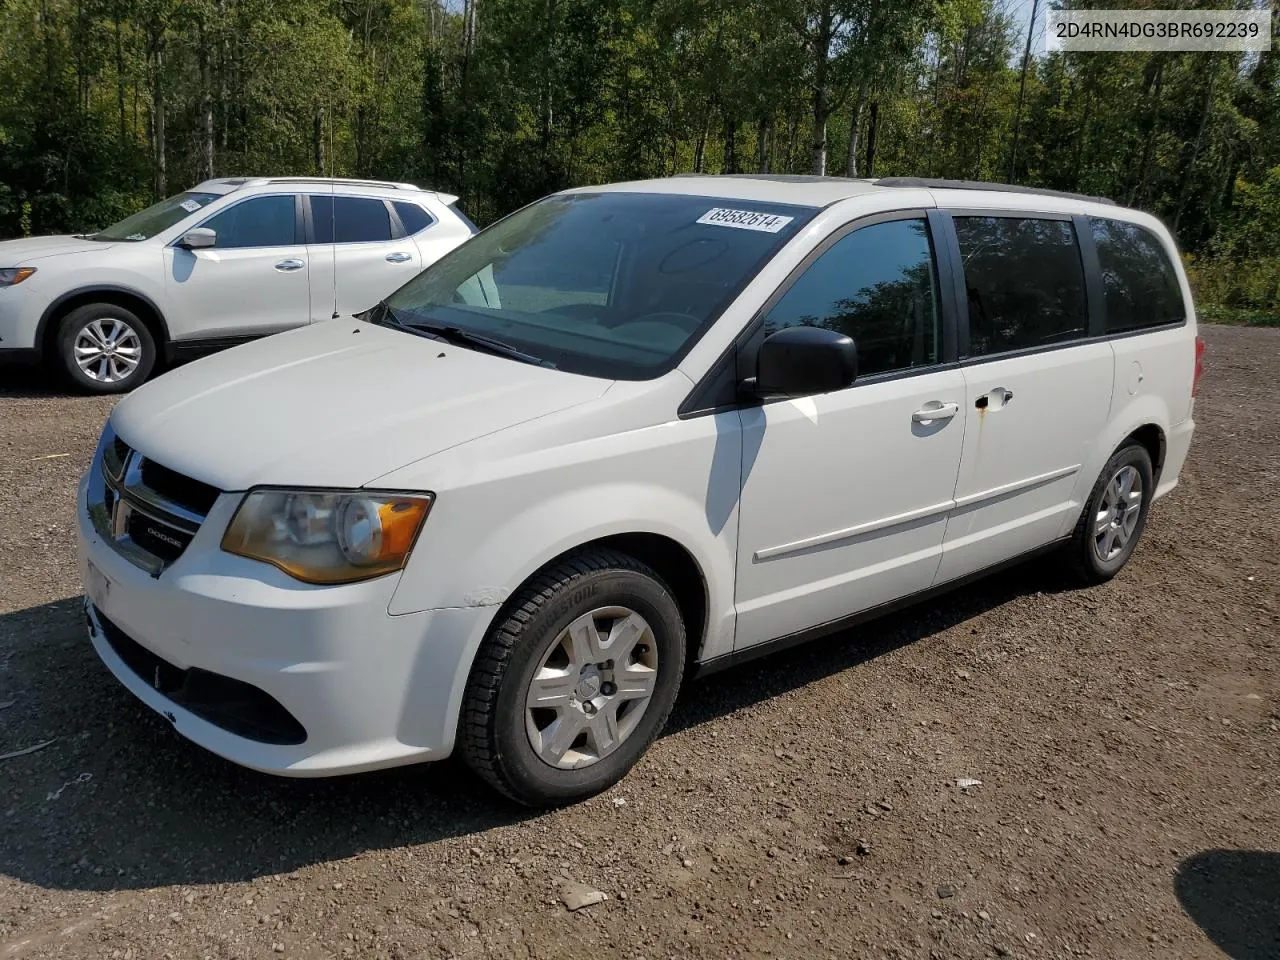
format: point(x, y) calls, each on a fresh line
point(327, 537)
point(12, 276)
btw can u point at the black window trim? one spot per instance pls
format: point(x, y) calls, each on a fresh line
point(1092, 279)
point(397, 228)
point(737, 360)
point(398, 232)
point(299, 231)
point(1095, 301)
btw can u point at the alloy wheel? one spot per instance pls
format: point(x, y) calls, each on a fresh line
point(108, 350)
point(1117, 514)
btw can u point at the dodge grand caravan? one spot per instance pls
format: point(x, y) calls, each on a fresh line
point(629, 433)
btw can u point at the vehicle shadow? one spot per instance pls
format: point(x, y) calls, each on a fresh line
point(120, 801)
point(29, 380)
point(1234, 897)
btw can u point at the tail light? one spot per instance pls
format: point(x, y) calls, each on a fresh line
point(1195, 379)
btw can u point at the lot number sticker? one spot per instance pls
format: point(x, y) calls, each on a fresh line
point(745, 219)
point(191, 206)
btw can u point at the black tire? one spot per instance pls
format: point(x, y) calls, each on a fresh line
point(110, 317)
point(492, 734)
point(1083, 557)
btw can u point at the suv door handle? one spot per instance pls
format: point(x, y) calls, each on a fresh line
point(399, 257)
point(284, 266)
point(933, 410)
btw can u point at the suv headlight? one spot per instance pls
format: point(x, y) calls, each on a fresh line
point(12, 276)
point(327, 536)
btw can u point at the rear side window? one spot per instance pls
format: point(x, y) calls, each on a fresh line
point(414, 218)
point(1025, 282)
point(259, 222)
point(876, 285)
point(349, 219)
point(1138, 281)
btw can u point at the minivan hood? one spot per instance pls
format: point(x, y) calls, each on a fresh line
point(17, 253)
point(335, 404)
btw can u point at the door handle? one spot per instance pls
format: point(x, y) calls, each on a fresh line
point(399, 257)
point(933, 410)
point(284, 266)
point(994, 399)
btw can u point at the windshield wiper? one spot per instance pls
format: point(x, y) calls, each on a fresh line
point(387, 316)
point(381, 314)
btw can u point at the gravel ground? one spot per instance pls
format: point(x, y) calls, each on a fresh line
point(1127, 740)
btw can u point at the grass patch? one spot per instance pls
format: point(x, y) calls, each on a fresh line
point(1237, 316)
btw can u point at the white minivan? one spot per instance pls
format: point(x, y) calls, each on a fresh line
point(626, 434)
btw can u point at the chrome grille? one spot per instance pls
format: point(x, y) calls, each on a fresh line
point(147, 512)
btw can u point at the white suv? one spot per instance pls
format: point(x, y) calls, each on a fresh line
point(225, 262)
point(627, 431)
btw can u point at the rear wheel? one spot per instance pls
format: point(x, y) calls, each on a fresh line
point(571, 687)
point(104, 348)
point(1114, 516)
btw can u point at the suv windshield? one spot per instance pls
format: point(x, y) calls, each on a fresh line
point(145, 224)
point(616, 285)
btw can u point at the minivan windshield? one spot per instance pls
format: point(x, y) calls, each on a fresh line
point(616, 285)
point(158, 217)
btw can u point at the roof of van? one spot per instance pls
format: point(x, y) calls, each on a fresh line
point(814, 191)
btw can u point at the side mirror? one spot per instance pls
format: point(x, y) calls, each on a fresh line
point(799, 361)
point(198, 238)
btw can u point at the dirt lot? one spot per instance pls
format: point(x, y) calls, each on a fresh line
point(1127, 740)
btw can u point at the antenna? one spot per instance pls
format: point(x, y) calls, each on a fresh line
point(333, 213)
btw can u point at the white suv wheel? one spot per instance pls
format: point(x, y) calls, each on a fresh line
point(104, 348)
point(108, 350)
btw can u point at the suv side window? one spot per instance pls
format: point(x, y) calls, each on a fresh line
point(256, 222)
point(414, 218)
point(349, 219)
point(1139, 284)
point(1025, 282)
point(877, 285)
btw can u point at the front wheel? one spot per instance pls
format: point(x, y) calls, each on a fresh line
point(575, 681)
point(104, 348)
point(1114, 516)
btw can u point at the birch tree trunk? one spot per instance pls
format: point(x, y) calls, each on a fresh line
point(851, 164)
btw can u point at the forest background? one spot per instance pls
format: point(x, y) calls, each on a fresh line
point(107, 105)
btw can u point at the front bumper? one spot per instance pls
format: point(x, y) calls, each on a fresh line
point(20, 311)
point(367, 689)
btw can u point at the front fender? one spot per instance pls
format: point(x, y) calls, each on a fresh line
point(85, 292)
point(485, 538)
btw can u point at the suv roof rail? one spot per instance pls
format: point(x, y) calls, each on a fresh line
point(222, 182)
point(938, 184)
point(388, 184)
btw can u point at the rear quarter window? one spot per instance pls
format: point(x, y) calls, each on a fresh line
point(1140, 286)
point(414, 218)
